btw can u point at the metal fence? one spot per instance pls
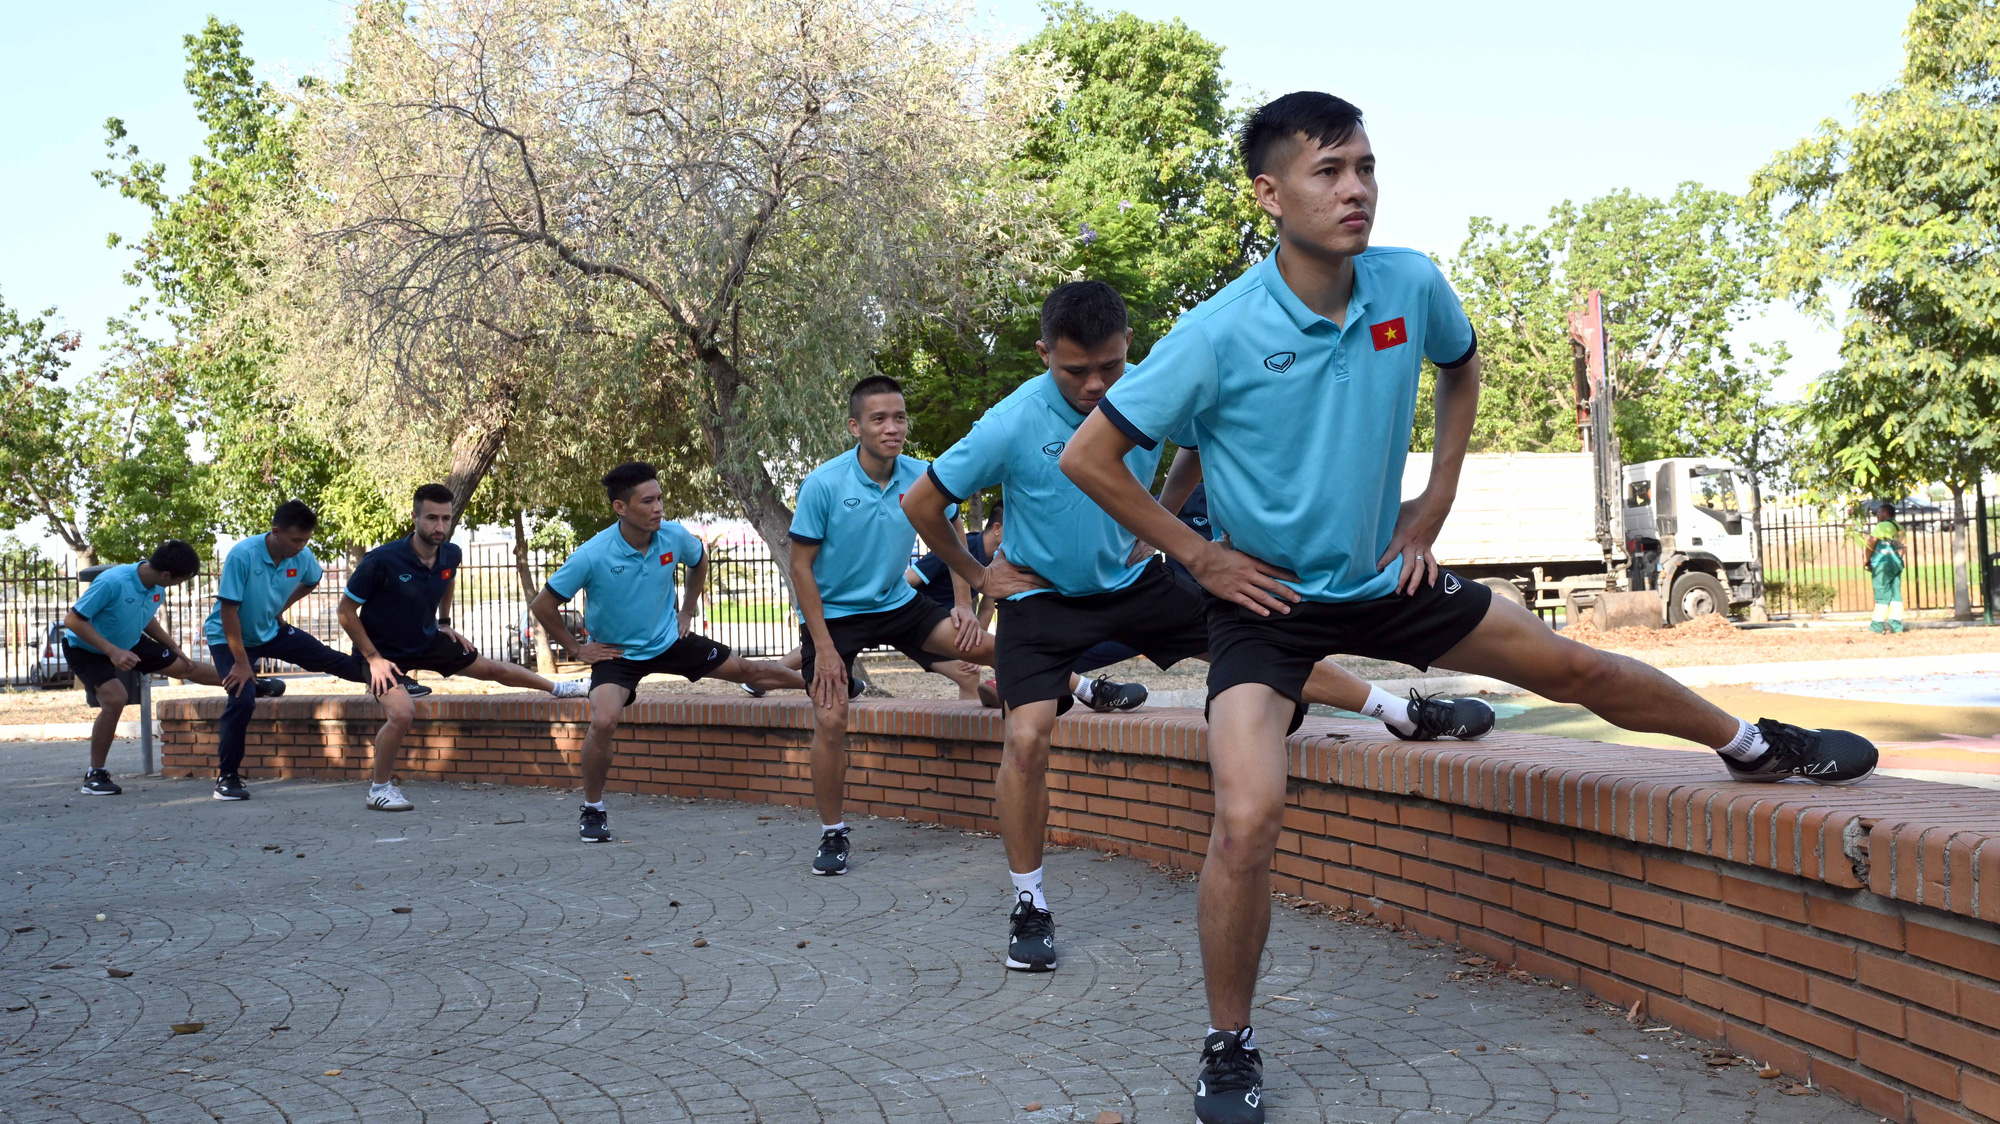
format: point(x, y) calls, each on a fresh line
point(1816, 567)
point(746, 605)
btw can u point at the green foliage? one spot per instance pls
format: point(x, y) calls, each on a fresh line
point(1677, 275)
point(1900, 210)
point(43, 457)
point(21, 560)
point(1137, 166)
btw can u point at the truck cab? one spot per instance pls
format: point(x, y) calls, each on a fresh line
point(1685, 535)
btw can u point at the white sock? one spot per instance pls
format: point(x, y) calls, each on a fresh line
point(1086, 689)
point(594, 805)
point(1747, 745)
point(829, 829)
point(1029, 883)
point(1247, 1036)
point(1390, 709)
point(374, 788)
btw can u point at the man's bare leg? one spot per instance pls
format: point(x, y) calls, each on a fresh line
point(1247, 761)
point(111, 700)
point(607, 709)
point(507, 674)
point(964, 674)
point(1513, 644)
point(765, 675)
point(1023, 787)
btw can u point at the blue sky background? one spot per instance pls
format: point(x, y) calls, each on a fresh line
point(1474, 108)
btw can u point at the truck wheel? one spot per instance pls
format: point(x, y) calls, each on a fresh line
point(1695, 595)
point(1505, 590)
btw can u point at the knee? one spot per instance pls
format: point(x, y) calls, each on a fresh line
point(1247, 830)
point(400, 712)
point(1580, 673)
point(112, 695)
point(1025, 756)
point(831, 719)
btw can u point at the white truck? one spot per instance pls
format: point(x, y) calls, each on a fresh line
point(1525, 525)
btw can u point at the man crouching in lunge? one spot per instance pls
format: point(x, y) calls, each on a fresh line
point(1068, 577)
point(626, 574)
point(397, 610)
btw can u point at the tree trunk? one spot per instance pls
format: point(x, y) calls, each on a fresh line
point(545, 656)
point(742, 470)
point(1759, 612)
point(1961, 587)
point(472, 454)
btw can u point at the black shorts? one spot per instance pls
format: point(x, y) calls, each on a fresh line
point(1279, 651)
point(905, 628)
point(690, 657)
point(444, 656)
point(1040, 637)
point(95, 668)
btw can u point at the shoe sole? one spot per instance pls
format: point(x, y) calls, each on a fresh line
point(219, 796)
point(588, 839)
point(391, 808)
point(1030, 966)
point(829, 873)
point(99, 792)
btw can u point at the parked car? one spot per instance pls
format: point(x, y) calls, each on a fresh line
point(521, 637)
point(49, 667)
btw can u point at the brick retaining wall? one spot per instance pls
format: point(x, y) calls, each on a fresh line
point(1844, 935)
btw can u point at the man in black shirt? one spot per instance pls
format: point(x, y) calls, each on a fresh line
point(397, 610)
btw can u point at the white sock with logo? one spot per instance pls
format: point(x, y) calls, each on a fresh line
point(594, 805)
point(376, 789)
point(1086, 689)
point(1390, 709)
point(1247, 1036)
point(1748, 744)
point(829, 829)
point(1029, 883)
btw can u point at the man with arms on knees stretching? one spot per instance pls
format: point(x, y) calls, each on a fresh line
point(397, 610)
point(850, 545)
point(261, 578)
point(1300, 380)
point(626, 574)
point(114, 627)
point(1068, 577)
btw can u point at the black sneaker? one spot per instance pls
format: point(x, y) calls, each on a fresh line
point(593, 825)
point(97, 782)
point(1436, 718)
point(753, 692)
point(832, 857)
point(1031, 937)
point(1230, 1087)
point(413, 688)
point(1820, 756)
point(229, 786)
point(1106, 696)
point(270, 688)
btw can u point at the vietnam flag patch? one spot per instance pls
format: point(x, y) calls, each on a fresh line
point(1388, 334)
point(667, 559)
point(292, 573)
point(447, 575)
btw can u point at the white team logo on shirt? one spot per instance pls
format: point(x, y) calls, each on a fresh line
point(1451, 582)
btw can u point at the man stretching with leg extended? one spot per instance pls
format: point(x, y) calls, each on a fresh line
point(850, 545)
point(1304, 371)
point(397, 610)
point(626, 574)
point(1068, 577)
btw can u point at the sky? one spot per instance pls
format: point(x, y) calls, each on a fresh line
point(1473, 107)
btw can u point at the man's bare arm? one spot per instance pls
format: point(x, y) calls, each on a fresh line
point(1182, 476)
point(1420, 520)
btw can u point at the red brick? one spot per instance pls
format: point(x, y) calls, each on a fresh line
point(1618, 930)
point(1874, 1095)
point(1610, 988)
point(1759, 1046)
point(1682, 948)
point(1690, 880)
point(1805, 1026)
point(1859, 1006)
point(1981, 1093)
point(1464, 911)
point(1764, 974)
point(1457, 854)
point(1514, 869)
point(1604, 856)
point(1364, 808)
point(1954, 1039)
point(1555, 911)
point(1967, 954)
point(1530, 960)
point(1487, 945)
point(1431, 818)
point(1541, 843)
point(1656, 974)
point(1924, 1112)
point(1813, 952)
point(1581, 887)
point(1759, 898)
point(1579, 948)
point(1485, 889)
point(1908, 982)
point(1733, 928)
point(1407, 842)
point(1479, 828)
point(1979, 1003)
point(1644, 903)
point(1927, 1072)
point(1381, 862)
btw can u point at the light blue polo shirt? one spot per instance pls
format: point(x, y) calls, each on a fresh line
point(259, 586)
point(118, 605)
point(1051, 527)
point(864, 539)
point(630, 603)
point(1303, 426)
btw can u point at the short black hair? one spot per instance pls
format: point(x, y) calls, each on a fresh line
point(620, 481)
point(176, 559)
point(430, 493)
point(1086, 313)
point(1885, 505)
point(294, 515)
point(993, 513)
point(873, 384)
point(1323, 119)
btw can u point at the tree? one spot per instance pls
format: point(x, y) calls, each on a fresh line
point(743, 197)
point(1898, 210)
point(41, 468)
point(1135, 164)
point(1677, 275)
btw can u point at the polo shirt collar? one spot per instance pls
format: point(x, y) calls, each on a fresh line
point(264, 544)
point(408, 548)
point(895, 466)
point(1053, 395)
point(625, 544)
point(1304, 318)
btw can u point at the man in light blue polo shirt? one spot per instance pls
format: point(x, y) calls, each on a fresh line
point(114, 627)
point(261, 577)
point(1300, 379)
point(626, 574)
point(851, 544)
point(1070, 577)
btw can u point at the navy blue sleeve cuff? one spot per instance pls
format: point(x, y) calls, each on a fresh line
point(1463, 359)
point(228, 600)
point(939, 485)
point(1126, 427)
point(804, 539)
point(556, 593)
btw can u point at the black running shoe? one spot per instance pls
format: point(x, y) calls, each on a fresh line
point(832, 857)
point(270, 687)
point(593, 825)
point(413, 688)
point(1820, 756)
point(1106, 696)
point(1436, 718)
point(753, 692)
point(1230, 1087)
point(1031, 937)
point(229, 786)
point(97, 782)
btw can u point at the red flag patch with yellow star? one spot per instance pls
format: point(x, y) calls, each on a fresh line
point(1388, 334)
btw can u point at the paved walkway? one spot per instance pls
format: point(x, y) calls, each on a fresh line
point(536, 979)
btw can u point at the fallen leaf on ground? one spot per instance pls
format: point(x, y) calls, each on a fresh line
point(25, 929)
point(116, 973)
point(332, 1073)
point(1475, 961)
point(1032, 1106)
point(1426, 995)
point(400, 908)
point(802, 944)
point(60, 967)
point(1768, 1072)
point(1632, 1016)
point(701, 942)
point(1110, 1117)
point(187, 1028)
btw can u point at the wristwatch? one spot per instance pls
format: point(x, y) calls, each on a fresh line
point(445, 621)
